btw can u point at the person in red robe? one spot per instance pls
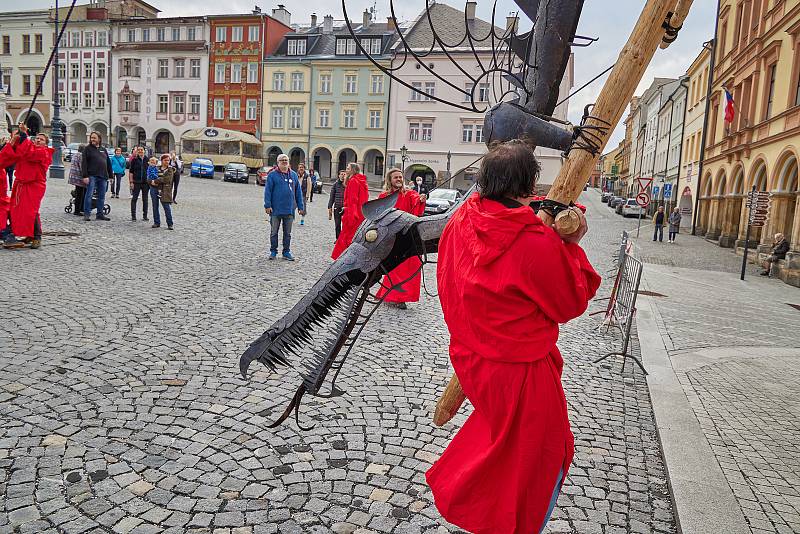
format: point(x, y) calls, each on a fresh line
point(506, 281)
point(356, 194)
point(32, 158)
point(405, 278)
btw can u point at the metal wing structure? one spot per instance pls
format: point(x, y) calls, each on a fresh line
point(524, 72)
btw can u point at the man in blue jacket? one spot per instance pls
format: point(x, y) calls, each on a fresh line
point(282, 195)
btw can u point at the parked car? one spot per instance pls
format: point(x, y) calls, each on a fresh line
point(440, 200)
point(202, 168)
point(614, 202)
point(236, 172)
point(261, 175)
point(632, 209)
point(68, 150)
point(605, 197)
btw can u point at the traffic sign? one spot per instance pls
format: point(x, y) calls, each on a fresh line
point(667, 190)
point(643, 199)
point(655, 190)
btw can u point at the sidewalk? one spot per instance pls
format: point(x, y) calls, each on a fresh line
point(723, 357)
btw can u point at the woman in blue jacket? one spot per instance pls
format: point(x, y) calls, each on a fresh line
point(118, 168)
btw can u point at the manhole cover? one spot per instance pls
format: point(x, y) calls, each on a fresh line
point(651, 294)
point(795, 306)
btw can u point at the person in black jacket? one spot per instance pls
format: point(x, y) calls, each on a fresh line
point(779, 250)
point(137, 180)
point(96, 167)
point(336, 202)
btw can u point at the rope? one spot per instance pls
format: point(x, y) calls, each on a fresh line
point(50, 61)
point(584, 86)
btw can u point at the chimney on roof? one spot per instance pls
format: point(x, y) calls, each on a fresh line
point(327, 24)
point(281, 14)
point(256, 10)
point(470, 9)
point(313, 20)
point(512, 22)
point(390, 23)
point(366, 19)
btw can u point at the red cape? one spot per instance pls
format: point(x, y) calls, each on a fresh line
point(356, 194)
point(411, 202)
point(505, 282)
point(5, 200)
point(30, 184)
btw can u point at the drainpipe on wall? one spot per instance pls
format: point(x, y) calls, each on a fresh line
point(388, 121)
point(310, 113)
point(109, 96)
point(684, 84)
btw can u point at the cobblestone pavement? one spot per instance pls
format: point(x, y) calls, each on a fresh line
point(121, 406)
point(735, 348)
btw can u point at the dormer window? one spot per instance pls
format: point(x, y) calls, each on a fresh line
point(371, 46)
point(345, 47)
point(296, 47)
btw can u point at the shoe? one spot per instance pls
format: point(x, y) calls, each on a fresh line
point(145, 218)
point(288, 256)
point(133, 219)
point(36, 242)
point(170, 227)
point(402, 306)
point(78, 214)
point(273, 255)
point(102, 217)
point(764, 273)
point(13, 242)
point(302, 222)
point(87, 218)
point(174, 201)
point(156, 226)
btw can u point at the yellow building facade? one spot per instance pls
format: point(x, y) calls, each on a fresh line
point(286, 110)
point(758, 61)
point(693, 134)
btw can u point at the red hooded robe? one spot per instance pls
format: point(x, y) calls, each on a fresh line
point(5, 201)
point(30, 183)
point(356, 194)
point(506, 281)
point(411, 202)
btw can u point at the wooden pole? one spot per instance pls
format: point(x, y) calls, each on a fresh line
point(614, 98)
point(678, 17)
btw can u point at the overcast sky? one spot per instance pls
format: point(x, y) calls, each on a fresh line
point(610, 20)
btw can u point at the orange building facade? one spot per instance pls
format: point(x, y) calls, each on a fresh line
point(238, 45)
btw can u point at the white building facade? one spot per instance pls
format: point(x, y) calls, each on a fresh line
point(160, 82)
point(668, 154)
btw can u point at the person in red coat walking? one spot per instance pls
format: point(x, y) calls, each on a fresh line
point(405, 278)
point(32, 158)
point(506, 281)
point(356, 194)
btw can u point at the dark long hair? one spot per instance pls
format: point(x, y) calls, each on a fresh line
point(508, 170)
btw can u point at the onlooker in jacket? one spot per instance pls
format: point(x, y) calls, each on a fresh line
point(314, 179)
point(778, 252)
point(306, 184)
point(118, 168)
point(96, 170)
point(137, 180)
point(674, 224)
point(161, 190)
point(76, 179)
point(336, 202)
point(282, 196)
point(420, 187)
point(176, 163)
point(658, 221)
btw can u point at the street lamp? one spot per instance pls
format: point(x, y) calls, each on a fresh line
point(403, 158)
point(57, 167)
point(449, 155)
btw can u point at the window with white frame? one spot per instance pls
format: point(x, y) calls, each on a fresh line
point(427, 131)
point(325, 83)
point(277, 118)
point(62, 99)
point(62, 72)
point(377, 84)
point(252, 109)
point(101, 71)
point(252, 73)
point(87, 70)
point(324, 118)
point(161, 34)
point(219, 73)
point(416, 91)
point(145, 34)
point(191, 34)
point(297, 81)
point(102, 38)
point(180, 68)
point(483, 92)
point(413, 131)
point(88, 39)
point(351, 47)
point(253, 33)
point(468, 91)
point(430, 90)
point(466, 133)
point(73, 100)
point(236, 34)
point(75, 70)
point(131, 36)
point(345, 47)
point(221, 34)
point(349, 118)
point(479, 133)
point(101, 100)
point(176, 34)
point(295, 118)
point(87, 100)
point(219, 108)
point(194, 104)
point(350, 84)
point(278, 81)
point(163, 104)
point(163, 68)
point(296, 47)
point(375, 116)
point(234, 109)
point(179, 104)
point(129, 67)
point(236, 73)
point(75, 38)
point(194, 68)
point(371, 46)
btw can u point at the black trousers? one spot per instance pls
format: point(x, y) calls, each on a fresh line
point(144, 189)
point(337, 218)
point(175, 181)
point(658, 232)
point(311, 194)
point(80, 194)
point(37, 227)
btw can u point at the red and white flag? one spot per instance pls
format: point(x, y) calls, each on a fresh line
point(730, 110)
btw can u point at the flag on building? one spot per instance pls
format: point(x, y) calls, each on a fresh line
point(730, 111)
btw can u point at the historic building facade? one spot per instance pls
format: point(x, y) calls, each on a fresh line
point(26, 39)
point(692, 135)
point(758, 61)
point(160, 87)
point(238, 46)
point(671, 117)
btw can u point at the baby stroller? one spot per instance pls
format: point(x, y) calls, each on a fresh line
point(71, 206)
